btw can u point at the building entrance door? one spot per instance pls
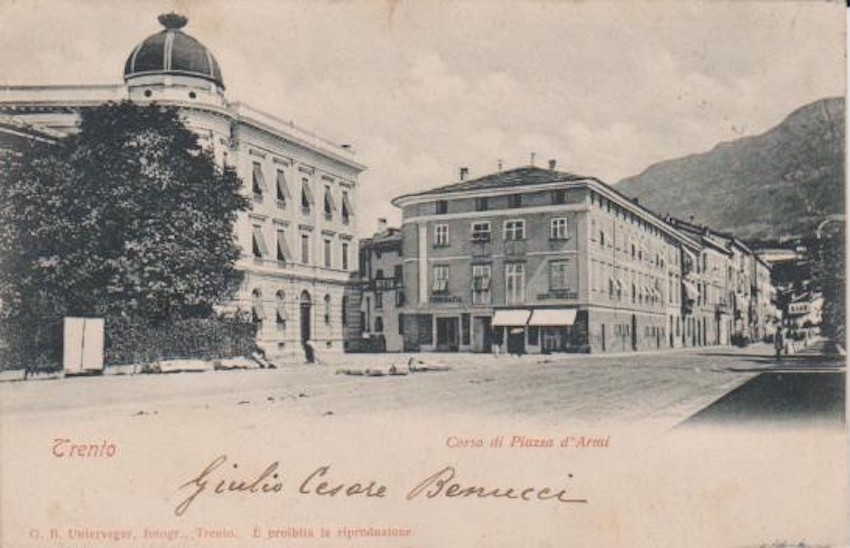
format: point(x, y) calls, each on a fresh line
point(447, 335)
point(634, 332)
point(482, 339)
point(516, 340)
point(306, 308)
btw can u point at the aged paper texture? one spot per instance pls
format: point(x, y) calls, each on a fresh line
point(492, 418)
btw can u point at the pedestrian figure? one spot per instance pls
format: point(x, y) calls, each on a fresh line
point(309, 352)
point(778, 343)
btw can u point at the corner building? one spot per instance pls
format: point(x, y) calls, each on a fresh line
point(536, 260)
point(299, 240)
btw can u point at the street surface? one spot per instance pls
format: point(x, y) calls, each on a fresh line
point(85, 457)
point(664, 388)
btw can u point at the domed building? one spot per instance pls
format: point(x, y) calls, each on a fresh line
point(299, 240)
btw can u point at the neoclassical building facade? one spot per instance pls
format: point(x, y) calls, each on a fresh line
point(299, 239)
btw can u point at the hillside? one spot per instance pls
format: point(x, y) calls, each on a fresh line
point(782, 182)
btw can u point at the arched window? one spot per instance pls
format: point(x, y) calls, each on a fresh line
point(257, 312)
point(327, 309)
point(379, 325)
point(280, 309)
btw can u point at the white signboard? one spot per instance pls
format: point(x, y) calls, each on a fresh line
point(83, 348)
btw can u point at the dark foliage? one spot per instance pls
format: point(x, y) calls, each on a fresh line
point(129, 218)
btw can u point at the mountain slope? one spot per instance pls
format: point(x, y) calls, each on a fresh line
point(782, 182)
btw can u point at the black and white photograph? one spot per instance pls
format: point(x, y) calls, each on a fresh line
point(388, 273)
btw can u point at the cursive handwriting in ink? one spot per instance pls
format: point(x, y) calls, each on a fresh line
point(311, 485)
point(442, 484)
point(266, 482)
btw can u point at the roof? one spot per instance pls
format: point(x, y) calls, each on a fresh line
point(386, 239)
point(519, 177)
point(172, 51)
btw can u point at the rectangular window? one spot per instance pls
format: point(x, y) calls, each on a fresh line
point(345, 255)
point(282, 187)
point(559, 275)
point(481, 231)
point(258, 183)
point(283, 254)
point(328, 245)
point(515, 229)
point(346, 208)
point(258, 243)
point(306, 196)
point(441, 279)
point(558, 229)
point(515, 200)
point(514, 283)
point(559, 196)
point(441, 207)
point(379, 300)
point(481, 278)
point(481, 204)
point(330, 203)
point(441, 235)
point(305, 248)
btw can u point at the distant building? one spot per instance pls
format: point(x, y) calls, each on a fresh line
point(734, 295)
point(382, 293)
point(805, 310)
point(300, 238)
point(536, 260)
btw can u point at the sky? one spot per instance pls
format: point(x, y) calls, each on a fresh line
point(420, 89)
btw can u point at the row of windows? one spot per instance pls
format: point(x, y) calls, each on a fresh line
point(482, 277)
point(259, 315)
point(621, 212)
point(638, 251)
point(556, 197)
point(283, 196)
point(512, 229)
point(622, 284)
point(283, 254)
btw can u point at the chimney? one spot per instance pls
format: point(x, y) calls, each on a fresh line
point(533, 154)
point(382, 224)
point(552, 164)
point(464, 171)
point(500, 166)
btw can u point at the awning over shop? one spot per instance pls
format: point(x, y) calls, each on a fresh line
point(553, 316)
point(510, 317)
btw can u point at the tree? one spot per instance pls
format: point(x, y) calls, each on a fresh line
point(129, 217)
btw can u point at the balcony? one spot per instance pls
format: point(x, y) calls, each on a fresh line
point(515, 247)
point(481, 248)
point(385, 284)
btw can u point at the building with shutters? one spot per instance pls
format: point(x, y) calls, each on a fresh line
point(300, 238)
point(538, 260)
point(380, 323)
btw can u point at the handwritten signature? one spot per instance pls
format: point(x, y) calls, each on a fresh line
point(220, 479)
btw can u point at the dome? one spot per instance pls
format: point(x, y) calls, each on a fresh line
point(172, 51)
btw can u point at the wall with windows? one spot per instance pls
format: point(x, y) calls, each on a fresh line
point(383, 292)
point(300, 235)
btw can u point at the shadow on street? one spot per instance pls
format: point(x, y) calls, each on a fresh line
point(780, 397)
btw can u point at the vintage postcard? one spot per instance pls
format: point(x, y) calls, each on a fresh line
point(422, 274)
